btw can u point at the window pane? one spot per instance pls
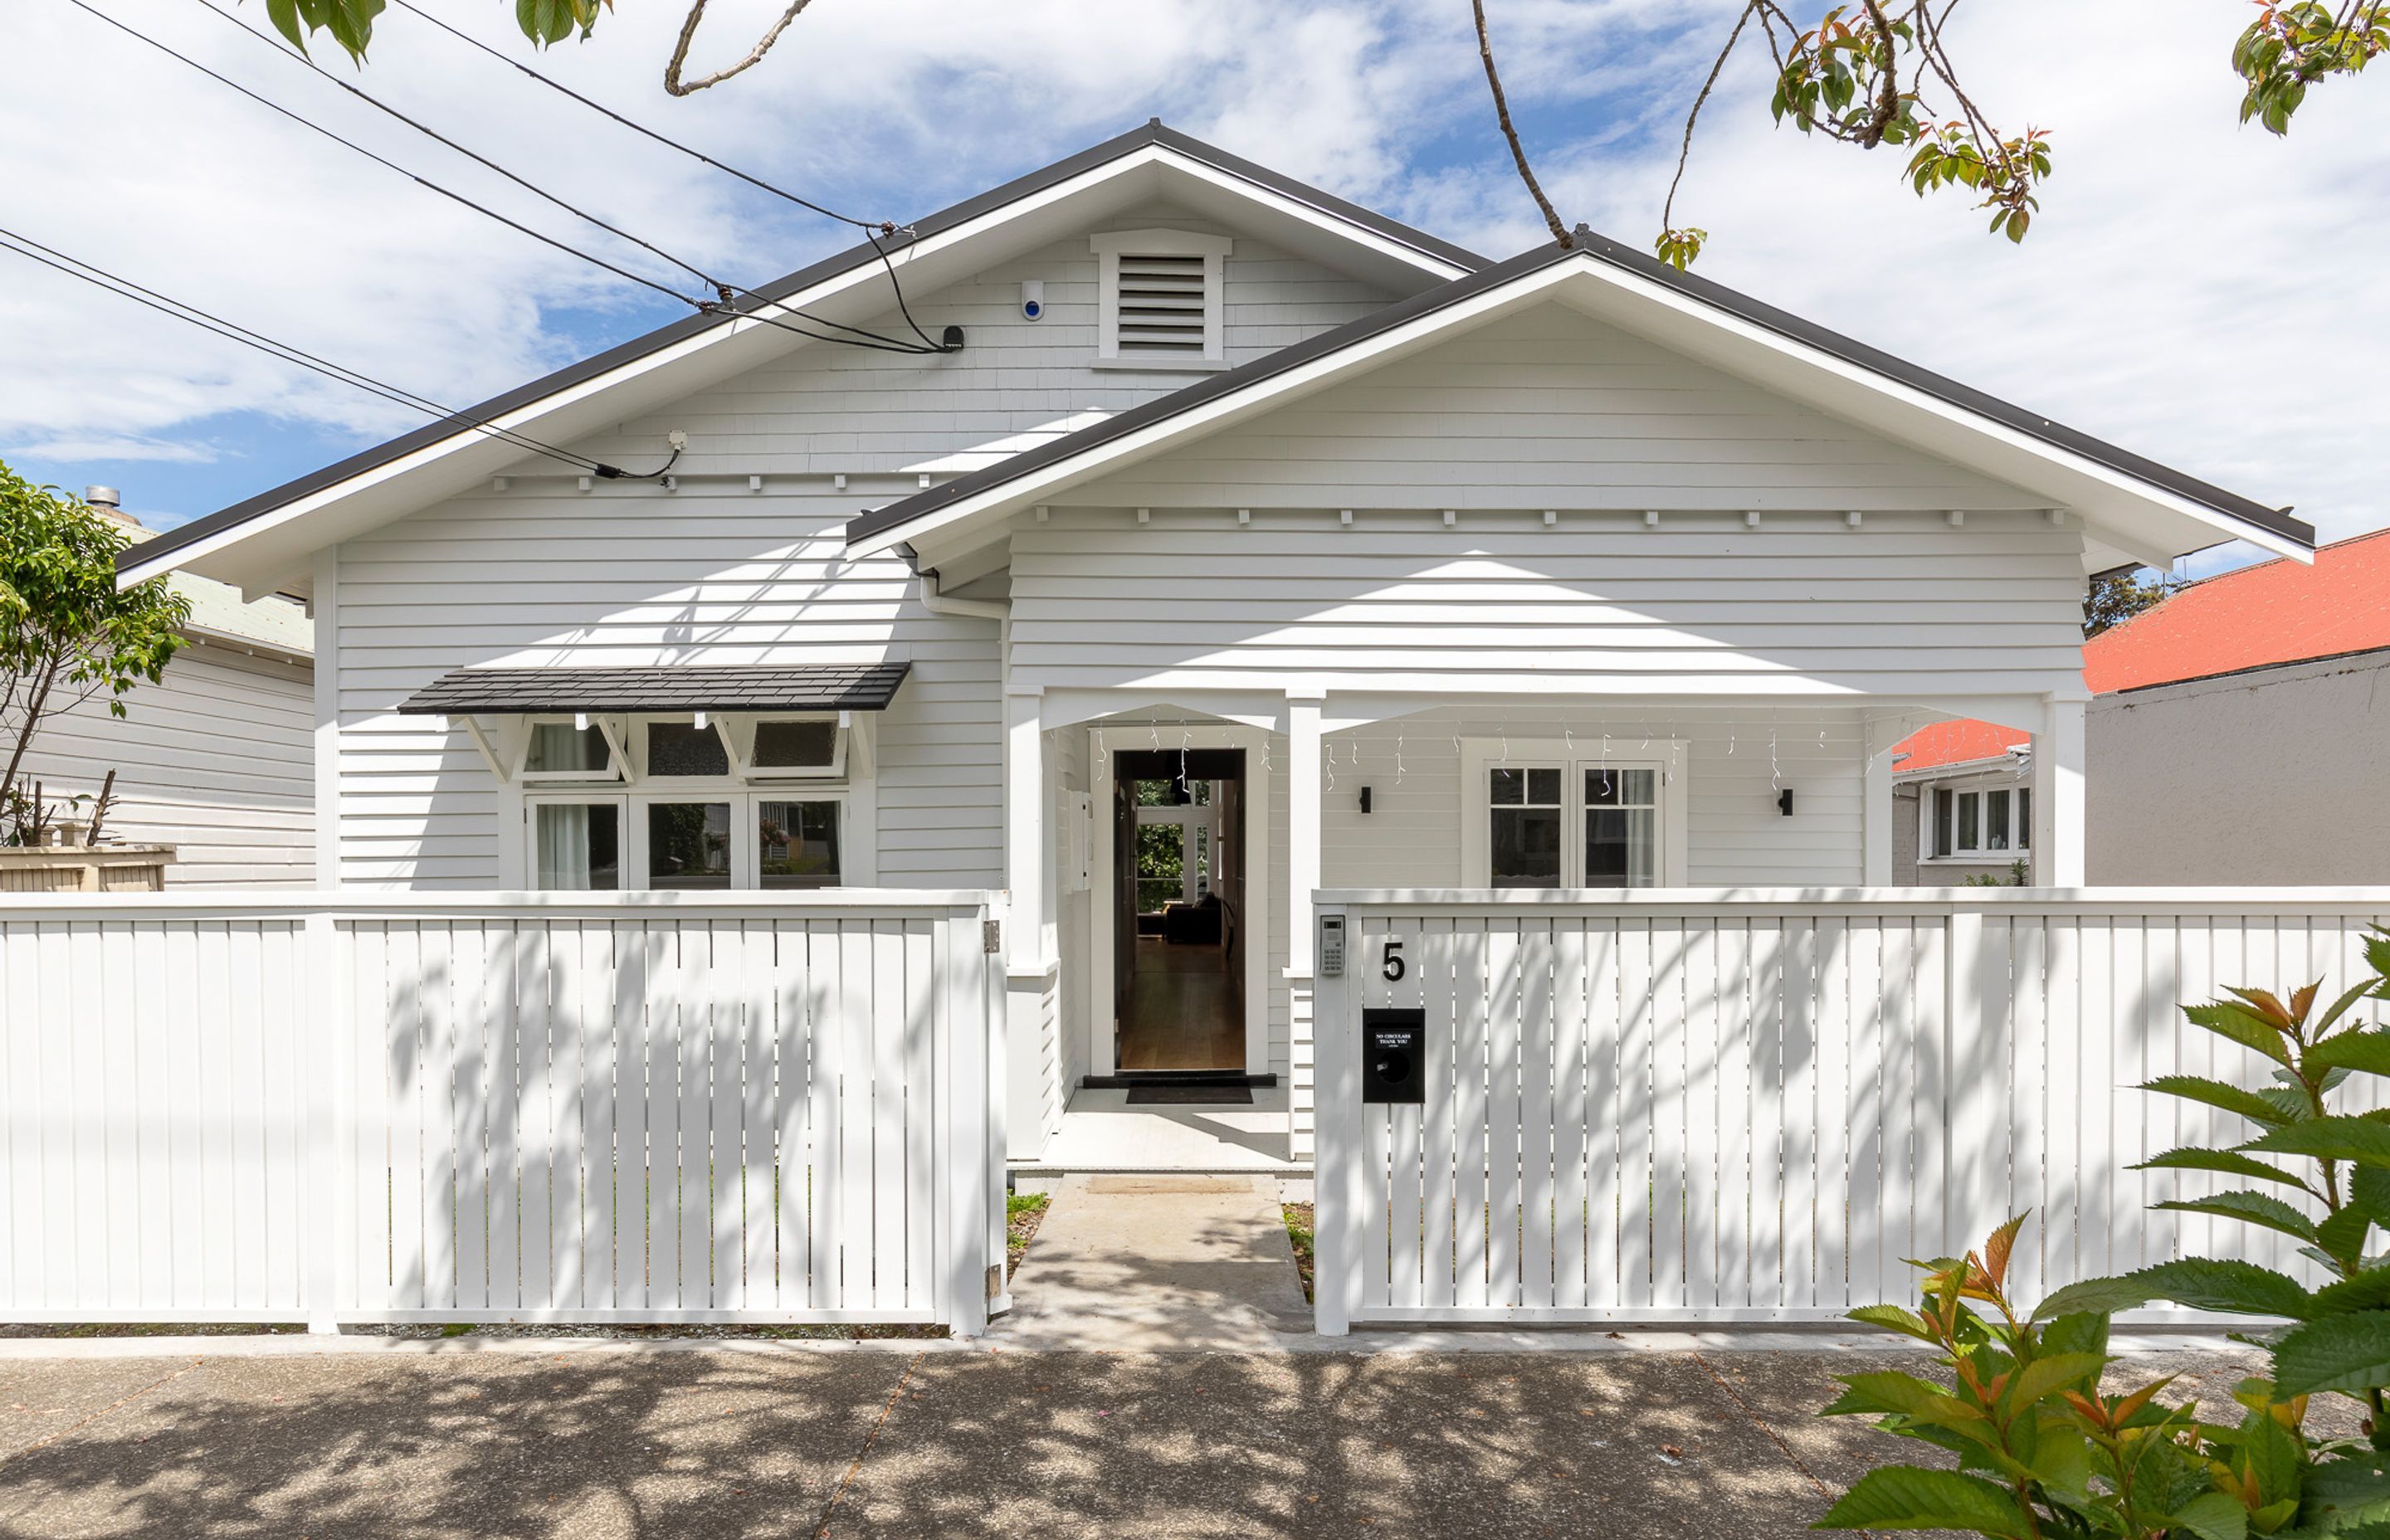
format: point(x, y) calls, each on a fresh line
point(799, 844)
point(1612, 786)
point(1544, 787)
point(559, 747)
point(579, 847)
point(688, 844)
point(1510, 787)
point(1161, 865)
point(795, 745)
point(1970, 808)
point(1526, 847)
point(1942, 837)
point(1618, 847)
point(2024, 818)
point(679, 749)
point(1996, 820)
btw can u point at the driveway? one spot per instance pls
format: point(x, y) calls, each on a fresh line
point(531, 1437)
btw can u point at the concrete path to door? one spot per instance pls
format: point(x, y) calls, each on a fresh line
point(1158, 1264)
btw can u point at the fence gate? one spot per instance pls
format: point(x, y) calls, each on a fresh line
point(1708, 1108)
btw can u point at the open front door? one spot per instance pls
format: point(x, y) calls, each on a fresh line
point(1123, 906)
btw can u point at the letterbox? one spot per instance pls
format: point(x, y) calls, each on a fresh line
point(1394, 1055)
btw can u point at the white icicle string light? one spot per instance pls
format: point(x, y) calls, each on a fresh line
point(1331, 764)
point(1398, 759)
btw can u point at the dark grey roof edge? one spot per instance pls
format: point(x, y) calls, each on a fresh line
point(1210, 388)
point(715, 688)
point(1943, 388)
point(1602, 249)
point(977, 206)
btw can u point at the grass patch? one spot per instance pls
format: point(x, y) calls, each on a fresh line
point(1023, 1214)
point(1298, 1235)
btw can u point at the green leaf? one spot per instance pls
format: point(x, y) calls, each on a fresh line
point(2250, 1208)
point(2231, 1163)
point(1902, 1496)
point(2359, 1139)
point(2244, 1026)
point(2366, 1049)
point(2045, 1377)
point(1892, 1317)
point(2343, 1234)
point(2202, 1283)
point(2348, 1354)
point(2216, 1092)
point(2368, 1290)
point(1890, 1392)
point(2213, 1516)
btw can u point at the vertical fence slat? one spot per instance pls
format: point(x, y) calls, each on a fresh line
point(1439, 1163)
point(1406, 1135)
point(1670, 1115)
point(1571, 1113)
point(1470, 1109)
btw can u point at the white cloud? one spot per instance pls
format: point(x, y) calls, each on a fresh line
point(2200, 293)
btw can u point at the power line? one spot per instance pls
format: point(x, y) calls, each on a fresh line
point(726, 290)
point(873, 230)
point(100, 277)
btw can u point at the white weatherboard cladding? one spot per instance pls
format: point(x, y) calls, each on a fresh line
point(215, 759)
point(1906, 605)
point(1547, 408)
point(544, 574)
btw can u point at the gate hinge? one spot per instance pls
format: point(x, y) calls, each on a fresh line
point(992, 936)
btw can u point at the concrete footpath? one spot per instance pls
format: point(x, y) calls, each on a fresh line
point(1074, 1418)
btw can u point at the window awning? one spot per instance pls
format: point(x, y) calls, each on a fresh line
point(546, 691)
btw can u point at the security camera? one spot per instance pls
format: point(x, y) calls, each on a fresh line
point(1032, 300)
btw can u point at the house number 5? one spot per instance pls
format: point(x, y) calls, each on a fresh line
point(1394, 967)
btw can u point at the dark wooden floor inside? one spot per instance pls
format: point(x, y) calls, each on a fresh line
point(1184, 1010)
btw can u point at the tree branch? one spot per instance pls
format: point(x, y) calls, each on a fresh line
point(1501, 115)
point(673, 81)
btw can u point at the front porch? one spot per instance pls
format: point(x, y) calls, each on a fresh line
point(1493, 792)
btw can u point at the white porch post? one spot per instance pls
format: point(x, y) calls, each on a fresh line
point(1875, 816)
point(2057, 818)
point(1301, 881)
point(1029, 971)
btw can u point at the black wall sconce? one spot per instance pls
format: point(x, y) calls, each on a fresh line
point(1784, 801)
point(1365, 800)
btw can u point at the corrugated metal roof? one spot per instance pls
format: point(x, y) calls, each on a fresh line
point(775, 687)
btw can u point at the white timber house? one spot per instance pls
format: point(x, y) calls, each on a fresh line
point(1245, 529)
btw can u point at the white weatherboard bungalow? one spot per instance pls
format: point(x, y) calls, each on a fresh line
point(1249, 545)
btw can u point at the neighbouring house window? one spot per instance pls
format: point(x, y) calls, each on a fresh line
point(683, 749)
point(559, 751)
point(688, 844)
point(578, 846)
point(1161, 297)
point(1621, 827)
point(1995, 822)
point(1526, 845)
point(797, 844)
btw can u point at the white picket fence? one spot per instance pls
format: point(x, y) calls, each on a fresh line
point(1754, 1107)
point(339, 1108)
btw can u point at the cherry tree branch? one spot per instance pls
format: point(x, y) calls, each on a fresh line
point(678, 87)
point(1502, 116)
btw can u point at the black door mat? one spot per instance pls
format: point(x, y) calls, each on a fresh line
point(1190, 1096)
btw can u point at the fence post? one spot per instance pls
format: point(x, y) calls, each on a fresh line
point(325, 1034)
point(1336, 1215)
point(967, 1027)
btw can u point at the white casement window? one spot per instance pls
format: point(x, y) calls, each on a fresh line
point(754, 802)
point(1995, 822)
point(1535, 818)
point(1161, 298)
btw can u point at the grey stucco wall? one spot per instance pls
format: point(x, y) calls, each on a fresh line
point(2275, 776)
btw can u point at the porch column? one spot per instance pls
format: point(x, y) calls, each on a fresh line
point(1302, 827)
point(2058, 827)
point(1029, 972)
point(1875, 816)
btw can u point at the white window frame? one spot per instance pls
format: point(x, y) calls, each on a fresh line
point(617, 772)
point(2020, 846)
point(1481, 756)
point(740, 735)
point(746, 848)
point(1110, 246)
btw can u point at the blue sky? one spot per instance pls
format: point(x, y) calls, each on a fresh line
point(2229, 323)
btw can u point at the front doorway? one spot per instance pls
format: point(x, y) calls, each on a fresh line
point(1179, 911)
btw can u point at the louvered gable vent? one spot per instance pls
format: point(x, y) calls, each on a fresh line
point(1162, 292)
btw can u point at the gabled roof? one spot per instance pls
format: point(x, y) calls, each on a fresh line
point(2274, 612)
point(1145, 429)
point(1428, 253)
point(1961, 740)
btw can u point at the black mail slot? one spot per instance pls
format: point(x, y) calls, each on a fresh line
point(1394, 1055)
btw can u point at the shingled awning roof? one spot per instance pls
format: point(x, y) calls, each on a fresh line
point(778, 688)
